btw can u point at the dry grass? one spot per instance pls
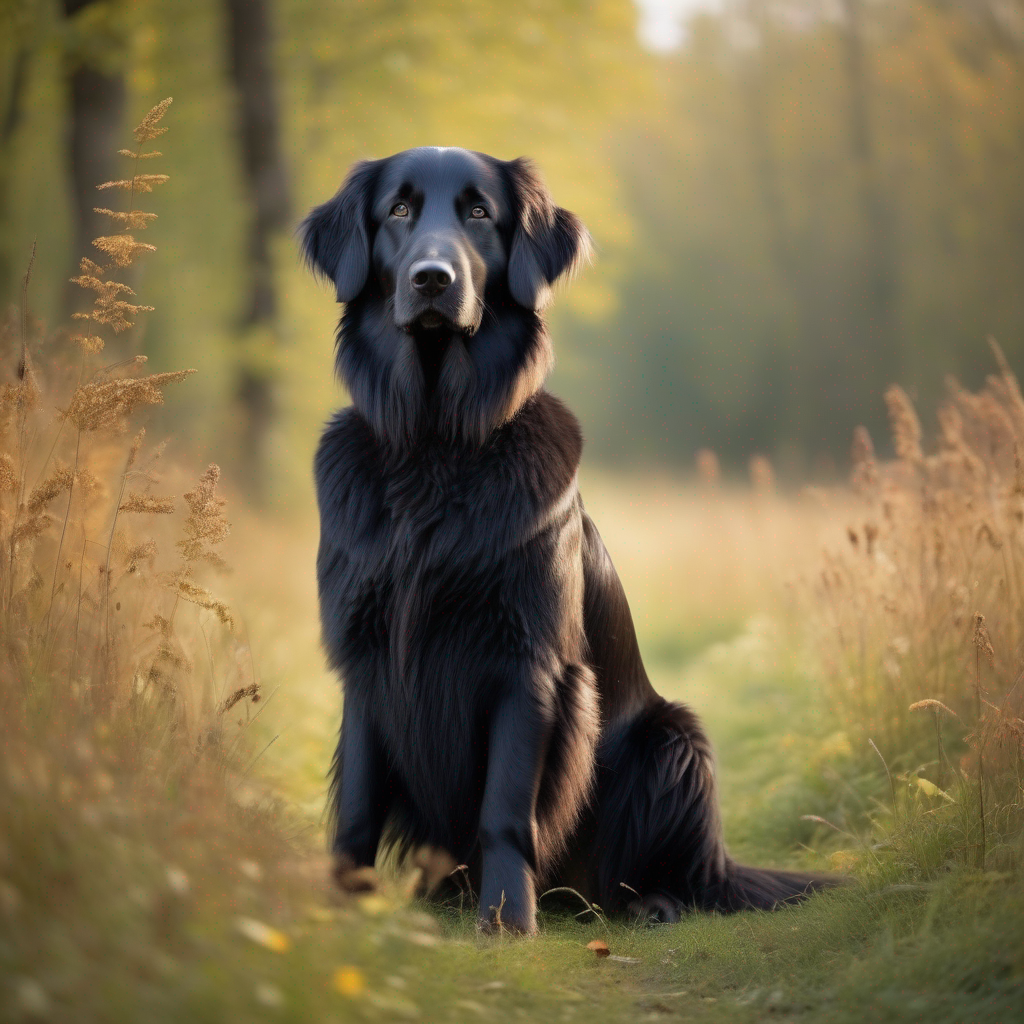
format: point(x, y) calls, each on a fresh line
point(916, 621)
point(109, 690)
point(134, 841)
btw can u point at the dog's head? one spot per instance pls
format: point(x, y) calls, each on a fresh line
point(444, 259)
point(436, 229)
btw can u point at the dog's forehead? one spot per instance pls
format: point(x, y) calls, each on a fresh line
point(437, 170)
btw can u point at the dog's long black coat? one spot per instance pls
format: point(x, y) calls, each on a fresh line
point(496, 704)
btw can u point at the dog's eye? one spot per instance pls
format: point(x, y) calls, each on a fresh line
point(478, 213)
point(399, 210)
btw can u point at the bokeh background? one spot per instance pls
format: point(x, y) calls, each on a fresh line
point(795, 203)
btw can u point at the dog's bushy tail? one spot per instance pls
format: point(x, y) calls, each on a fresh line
point(659, 836)
point(746, 888)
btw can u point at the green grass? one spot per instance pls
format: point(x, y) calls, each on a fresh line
point(97, 924)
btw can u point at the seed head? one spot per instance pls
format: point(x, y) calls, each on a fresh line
point(206, 524)
point(147, 128)
point(864, 474)
point(982, 640)
point(933, 705)
point(905, 426)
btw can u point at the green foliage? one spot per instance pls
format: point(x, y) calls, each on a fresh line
point(782, 229)
point(794, 259)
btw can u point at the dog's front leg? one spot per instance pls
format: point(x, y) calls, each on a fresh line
point(360, 799)
point(519, 735)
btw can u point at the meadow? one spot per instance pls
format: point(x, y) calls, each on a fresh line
point(167, 722)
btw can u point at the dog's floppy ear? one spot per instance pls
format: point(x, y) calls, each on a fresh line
point(335, 236)
point(547, 241)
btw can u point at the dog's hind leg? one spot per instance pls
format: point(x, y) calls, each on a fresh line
point(659, 839)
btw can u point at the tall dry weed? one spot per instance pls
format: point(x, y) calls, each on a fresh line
point(927, 614)
point(93, 582)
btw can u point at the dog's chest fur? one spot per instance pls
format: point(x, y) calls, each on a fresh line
point(440, 566)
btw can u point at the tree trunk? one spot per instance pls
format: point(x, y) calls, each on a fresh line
point(250, 43)
point(756, 90)
point(10, 121)
point(879, 272)
point(96, 100)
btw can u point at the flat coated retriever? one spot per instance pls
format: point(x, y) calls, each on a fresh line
point(495, 702)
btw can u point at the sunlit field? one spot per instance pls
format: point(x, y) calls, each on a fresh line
point(162, 853)
point(850, 630)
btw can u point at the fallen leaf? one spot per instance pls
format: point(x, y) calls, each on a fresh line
point(600, 947)
point(263, 934)
point(930, 789)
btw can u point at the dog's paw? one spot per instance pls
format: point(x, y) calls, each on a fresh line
point(436, 867)
point(507, 922)
point(350, 877)
point(655, 909)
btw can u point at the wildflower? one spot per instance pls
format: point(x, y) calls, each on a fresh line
point(349, 981)
point(263, 934)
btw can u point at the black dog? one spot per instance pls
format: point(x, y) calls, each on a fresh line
point(496, 705)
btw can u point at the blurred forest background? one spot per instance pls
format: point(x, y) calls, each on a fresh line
point(795, 203)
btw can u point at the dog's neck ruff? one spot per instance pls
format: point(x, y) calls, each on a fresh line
point(481, 383)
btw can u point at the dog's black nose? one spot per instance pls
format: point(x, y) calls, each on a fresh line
point(431, 277)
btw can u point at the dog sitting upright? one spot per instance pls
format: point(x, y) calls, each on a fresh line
point(495, 701)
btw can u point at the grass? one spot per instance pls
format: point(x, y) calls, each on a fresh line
point(163, 754)
point(106, 929)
